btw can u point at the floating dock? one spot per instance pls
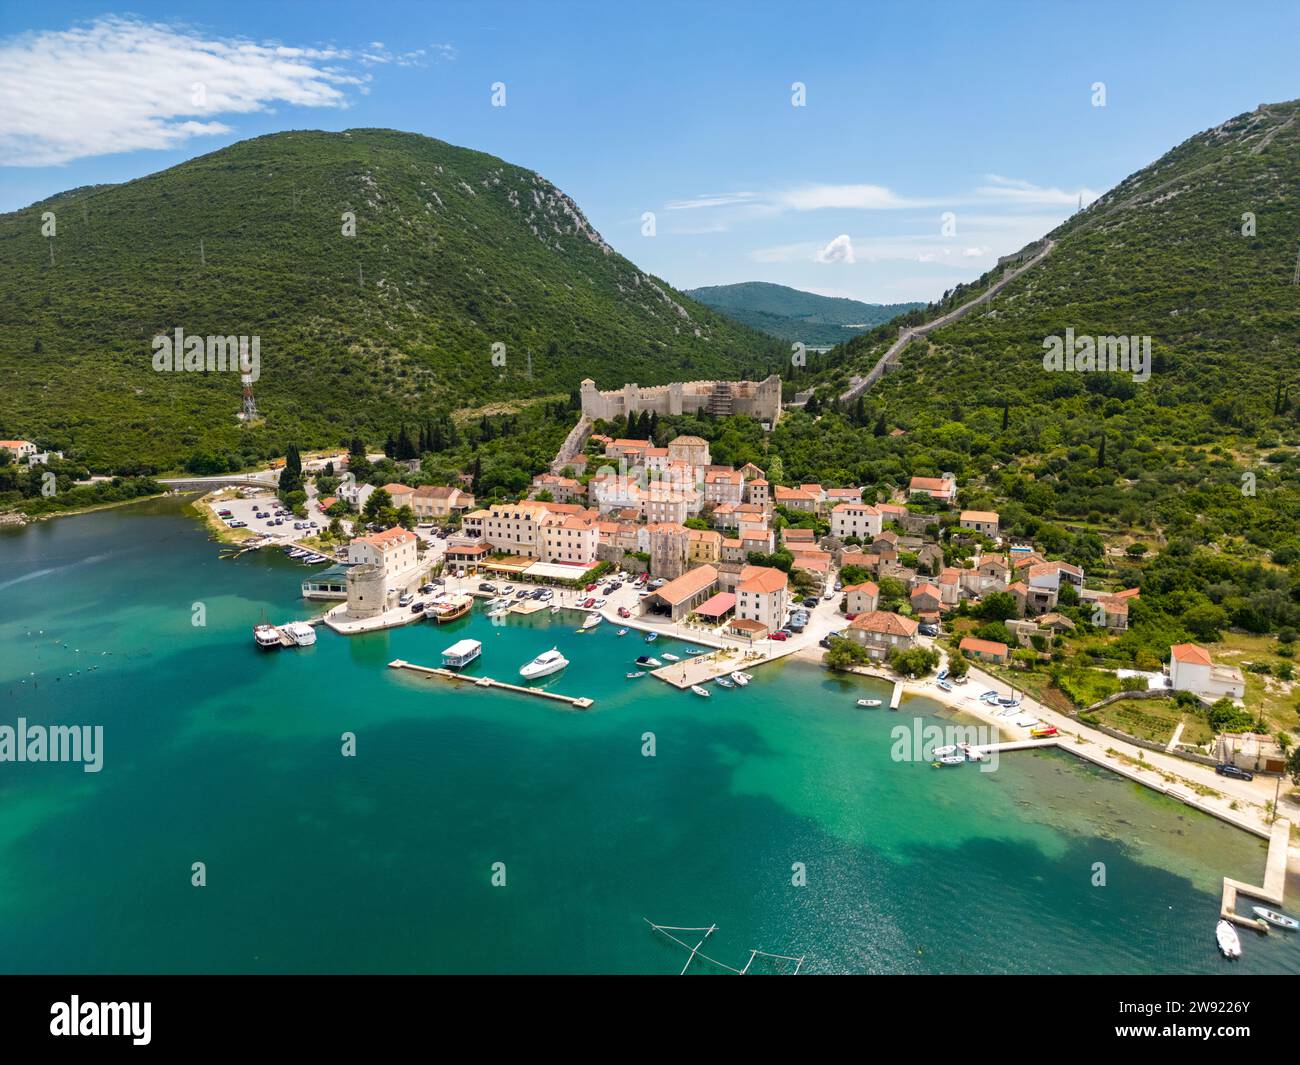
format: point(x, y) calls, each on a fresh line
point(577, 702)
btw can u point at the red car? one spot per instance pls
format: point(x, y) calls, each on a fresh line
point(591, 587)
point(779, 635)
point(624, 612)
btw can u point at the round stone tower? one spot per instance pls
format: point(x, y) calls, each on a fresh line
point(365, 591)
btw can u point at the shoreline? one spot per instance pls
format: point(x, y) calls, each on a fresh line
point(29, 519)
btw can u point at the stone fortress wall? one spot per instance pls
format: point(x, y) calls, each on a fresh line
point(756, 399)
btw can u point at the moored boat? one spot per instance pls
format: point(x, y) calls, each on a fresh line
point(741, 679)
point(1278, 920)
point(636, 673)
point(449, 608)
point(300, 633)
point(592, 620)
point(950, 748)
point(651, 637)
point(723, 682)
point(621, 632)
point(1229, 941)
point(949, 759)
point(267, 637)
point(701, 691)
point(669, 657)
point(544, 665)
point(646, 660)
point(869, 702)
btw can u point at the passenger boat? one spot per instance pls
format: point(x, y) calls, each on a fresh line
point(267, 637)
point(636, 673)
point(621, 632)
point(592, 621)
point(651, 637)
point(1279, 920)
point(723, 682)
point(668, 657)
point(449, 608)
point(701, 691)
point(544, 665)
point(300, 633)
point(868, 702)
point(741, 679)
point(646, 660)
point(1229, 942)
point(949, 759)
point(1043, 732)
point(461, 653)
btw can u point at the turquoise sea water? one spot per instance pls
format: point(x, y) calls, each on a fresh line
point(218, 753)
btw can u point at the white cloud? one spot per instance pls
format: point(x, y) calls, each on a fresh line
point(722, 199)
point(122, 84)
point(1019, 191)
point(839, 250)
point(853, 197)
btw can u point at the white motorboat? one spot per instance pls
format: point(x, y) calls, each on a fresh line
point(621, 632)
point(950, 748)
point(592, 621)
point(723, 682)
point(740, 679)
point(300, 633)
point(1278, 920)
point(1229, 941)
point(668, 657)
point(868, 702)
point(636, 673)
point(700, 691)
point(647, 660)
point(949, 759)
point(544, 665)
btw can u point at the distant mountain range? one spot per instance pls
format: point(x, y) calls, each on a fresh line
point(790, 314)
point(387, 276)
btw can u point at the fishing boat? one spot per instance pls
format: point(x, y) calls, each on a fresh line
point(701, 691)
point(592, 621)
point(651, 637)
point(635, 674)
point(869, 702)
point(669, 657)
point(1279, 920)
point(723, 682)
point(949, 759)
point(741, 679)
point(621, 632)
point(646, 660)
point(544, 665)
point(1043, 732)
point(267, 637)
point(1229, 942)
point(945, 685)
point(1006, 701)
point(300, 633)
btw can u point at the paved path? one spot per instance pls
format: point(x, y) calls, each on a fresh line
point(859, 385)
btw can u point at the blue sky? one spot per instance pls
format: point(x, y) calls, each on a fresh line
point(684, 110)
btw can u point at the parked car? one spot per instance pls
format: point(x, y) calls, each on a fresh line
point(425, 589)
point(1236, 772)
point(624, 612)
point(811, 601)
point(928, 630)
point(404, 601)
point(592, 586)
point(780, 634)
point(417, 606)
point(487, 587)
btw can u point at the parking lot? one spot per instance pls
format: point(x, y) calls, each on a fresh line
point(246, 511)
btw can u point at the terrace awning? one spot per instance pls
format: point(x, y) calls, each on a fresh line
point(717, 606)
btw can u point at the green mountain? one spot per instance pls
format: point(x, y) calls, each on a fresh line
point(791, 314)
point(454, 251)
point(1199, 253)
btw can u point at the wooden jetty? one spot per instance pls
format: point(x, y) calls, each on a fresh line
point(578, 702)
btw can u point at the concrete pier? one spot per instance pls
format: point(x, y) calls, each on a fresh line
point(577, 702)
point(1274, 886)
point(897, 697)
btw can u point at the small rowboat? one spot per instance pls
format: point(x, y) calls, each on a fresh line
point(652, 637)
point(1229, 942)
point(694, 651)
point(1279, 920)
point(868, 702)
point(638, 673)
point(949, 759)
point(951, 748)
point(622, 632)
point(723, 682)
point(944, 685)
point(701, 691)
point(1043, 733)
